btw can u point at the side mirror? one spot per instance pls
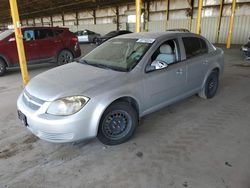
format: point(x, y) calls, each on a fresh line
point(156, 65)
point(12, 39)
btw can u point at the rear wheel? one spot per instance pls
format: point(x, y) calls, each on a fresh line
point(2, 67)
point(64, 57)
point(211, 86)
point(117, 124)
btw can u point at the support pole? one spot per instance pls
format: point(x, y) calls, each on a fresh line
point(19, 41)
point(63, 21)
point(94, 16)
point(51, 21)
point(167, 13)
point(190, 17)
point(199, 14)
point(34, 22)
point(77, 18)
point(138, 15)
point(147, 15)
point(117, 18)
point(229, 36)
point(42, 21)
point(219, 21)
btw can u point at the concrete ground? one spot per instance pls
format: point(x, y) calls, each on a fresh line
point(195, 143)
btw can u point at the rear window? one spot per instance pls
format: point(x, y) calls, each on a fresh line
point(58, 31)
point(5, 34)
point(194, 46)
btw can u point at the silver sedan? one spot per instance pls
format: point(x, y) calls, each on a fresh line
point(106, 92)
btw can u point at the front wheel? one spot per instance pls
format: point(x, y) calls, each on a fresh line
point(117, 124)
point(64, 57)
point(2, 67)
point(211, 86)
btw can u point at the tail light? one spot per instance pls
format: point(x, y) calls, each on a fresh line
point(74, 39)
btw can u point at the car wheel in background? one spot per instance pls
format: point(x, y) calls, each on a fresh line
point(117, 124)
point(211, 85)
point(94, 40)
point(2, 67)
point(64, 57)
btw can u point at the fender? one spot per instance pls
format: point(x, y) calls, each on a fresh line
point(100, 109)
point(211, 68)
point(6, 60)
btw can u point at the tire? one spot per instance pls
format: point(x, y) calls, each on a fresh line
point(211, 86)
point(64, 57)
point(94, 40)
point(118, 124)
point(2, 67)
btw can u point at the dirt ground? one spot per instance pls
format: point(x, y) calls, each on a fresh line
point(195, 143)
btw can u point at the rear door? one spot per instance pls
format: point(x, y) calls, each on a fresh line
point(45, 40)
point(30, 45)
point(196, 60)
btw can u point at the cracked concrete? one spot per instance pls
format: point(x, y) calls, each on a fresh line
point(195, 143)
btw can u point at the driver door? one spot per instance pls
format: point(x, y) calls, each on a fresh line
point(166, 85)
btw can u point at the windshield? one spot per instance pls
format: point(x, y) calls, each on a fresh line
point(118, 54)
point(5, 34)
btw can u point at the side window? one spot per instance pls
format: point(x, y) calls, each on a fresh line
point(28, 35)
point(194, 46)
point(204, 48)
point(59, 31)
point(167, 52)
point(44, 33)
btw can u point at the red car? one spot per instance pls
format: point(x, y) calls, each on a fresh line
point(41, 44)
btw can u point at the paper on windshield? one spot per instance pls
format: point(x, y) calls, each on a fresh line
point(146, 40)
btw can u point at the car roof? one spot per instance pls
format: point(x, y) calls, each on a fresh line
point(43, 27)
point(155, 35)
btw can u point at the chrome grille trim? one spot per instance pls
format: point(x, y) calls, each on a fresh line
point(31, 101)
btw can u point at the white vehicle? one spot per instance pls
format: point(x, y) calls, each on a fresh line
point(87, 36)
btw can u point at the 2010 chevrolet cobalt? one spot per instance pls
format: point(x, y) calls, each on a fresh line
point(107, 91)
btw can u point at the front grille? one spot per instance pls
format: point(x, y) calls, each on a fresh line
point(31, 101)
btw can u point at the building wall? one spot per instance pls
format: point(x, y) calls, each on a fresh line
point(106, 18)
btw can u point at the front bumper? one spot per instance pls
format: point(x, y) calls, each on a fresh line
point(59, 129)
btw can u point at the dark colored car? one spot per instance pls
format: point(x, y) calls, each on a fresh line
point(246, 49)
point(87, 36)
point(110, 35)
point(179, 29)
point(41, 44)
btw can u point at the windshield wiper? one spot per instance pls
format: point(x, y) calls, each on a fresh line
point(83, 61)
point(101, 65)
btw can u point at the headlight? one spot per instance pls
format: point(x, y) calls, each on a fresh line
point(67, 105)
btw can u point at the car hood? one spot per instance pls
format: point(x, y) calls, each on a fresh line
point(68, 80)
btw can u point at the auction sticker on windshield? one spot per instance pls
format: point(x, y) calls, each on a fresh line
point(146, 40)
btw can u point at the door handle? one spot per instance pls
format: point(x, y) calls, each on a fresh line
point(179, 71)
